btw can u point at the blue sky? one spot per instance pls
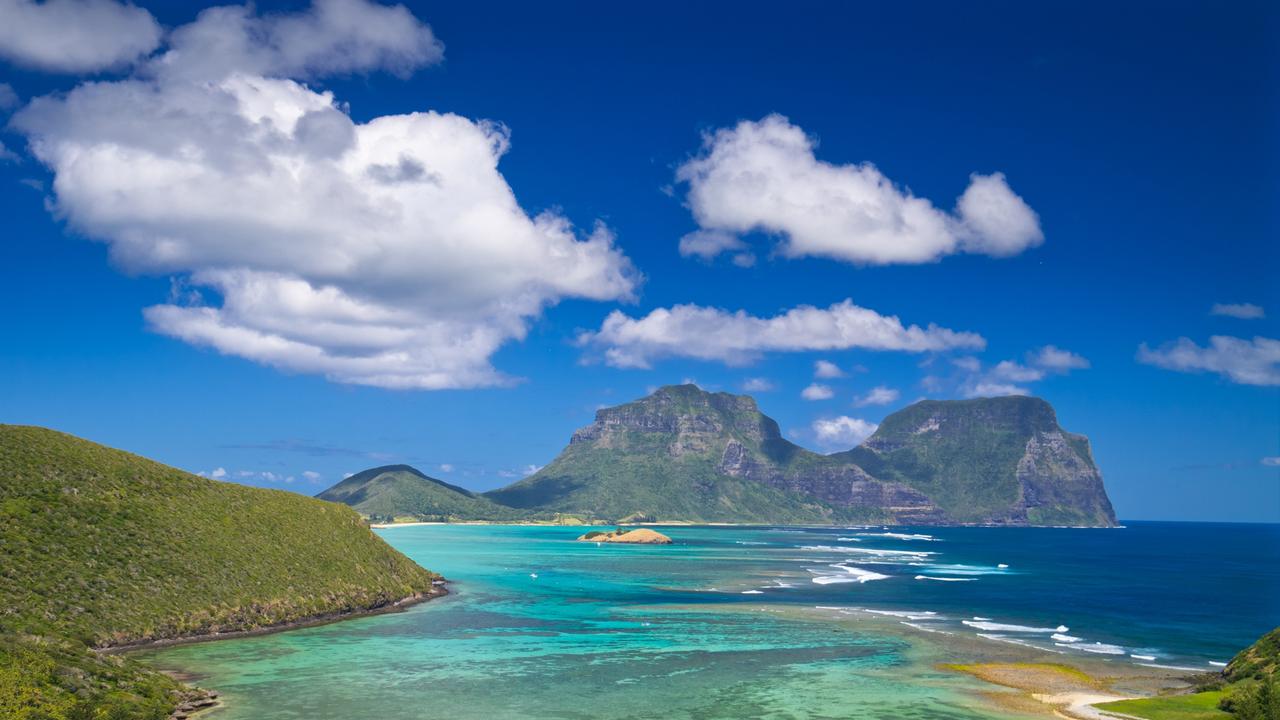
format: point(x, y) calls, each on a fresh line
point(1122, 163)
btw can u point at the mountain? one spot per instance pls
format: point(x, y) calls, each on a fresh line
point(684, 454)
point(679, 454)
point(1002, 460)
point(104, 549)
point(401, 491)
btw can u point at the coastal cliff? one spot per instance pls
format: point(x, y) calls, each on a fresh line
point(684, 454)
point(995, 461)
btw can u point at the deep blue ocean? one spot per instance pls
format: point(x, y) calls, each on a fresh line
point(737, 622)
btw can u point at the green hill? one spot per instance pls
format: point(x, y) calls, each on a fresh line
point(401, 491)
point(103, 548)
point(684, 454)
point(1248, 689)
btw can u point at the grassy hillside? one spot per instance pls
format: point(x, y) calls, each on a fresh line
point(1249, 689)
point(104, 548)
point(402, 492)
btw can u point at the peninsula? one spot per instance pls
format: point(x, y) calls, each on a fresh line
point(104, 550)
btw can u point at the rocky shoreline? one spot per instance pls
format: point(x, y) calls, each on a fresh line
point(195, 700)
point(439, 589)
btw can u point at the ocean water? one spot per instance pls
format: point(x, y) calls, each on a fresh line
point(734, 622)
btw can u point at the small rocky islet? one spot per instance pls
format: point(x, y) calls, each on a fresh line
point(636, 536)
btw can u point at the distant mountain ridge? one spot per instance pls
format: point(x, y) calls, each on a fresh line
point(392, 491)
point(683, 454)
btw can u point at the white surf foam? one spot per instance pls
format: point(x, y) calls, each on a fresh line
point(752, 592)
point(1006, 639)
point(1004, 627)
point(899, 536)
point(1148, 658)
point(908, 614)
point(882, 553)
point(853, 574)
point(1065, 638)
point(930, 577)
point(1172, 667)
point(959, 569)
point(925, 628)
point(1094, 647)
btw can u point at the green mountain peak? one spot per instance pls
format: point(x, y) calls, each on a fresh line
point(402, 491)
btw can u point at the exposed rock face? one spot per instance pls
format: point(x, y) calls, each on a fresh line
point(991, 461)
point(686, 454)
point(1057, 471)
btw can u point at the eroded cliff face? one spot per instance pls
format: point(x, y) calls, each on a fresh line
point(683, 418)
point(990, 461)
point(1060, 482)
point(987, 461)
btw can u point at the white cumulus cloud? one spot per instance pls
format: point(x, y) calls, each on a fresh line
point(1248, 362)
point(827, 369)
point(879, 395)
point(764, 176)
point(331, 37)
point(842, 432)
point(390, 253)
point(75, 36)
point(707, 244)
point(738, 338)
point(817, 391)
point(1009, 377)
point(757, 384)
point(1056, 359)
point(311, 475)
point(1241, 311)
point(1271, 461)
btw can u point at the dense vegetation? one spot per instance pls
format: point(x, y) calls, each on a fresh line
point(967, 456)
point(103, 548)
point(400, 492)
point(634, 485)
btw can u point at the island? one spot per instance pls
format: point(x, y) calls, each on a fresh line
point(636, 536)
point(685, 455)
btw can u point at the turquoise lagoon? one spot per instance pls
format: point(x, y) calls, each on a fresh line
point(734, 622)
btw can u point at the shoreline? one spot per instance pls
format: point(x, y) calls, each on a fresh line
point(685, 523)
point(1027, 680)
point(404, 603)
point(200, 701)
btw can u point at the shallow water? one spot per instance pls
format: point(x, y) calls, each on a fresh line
point(686, 631)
